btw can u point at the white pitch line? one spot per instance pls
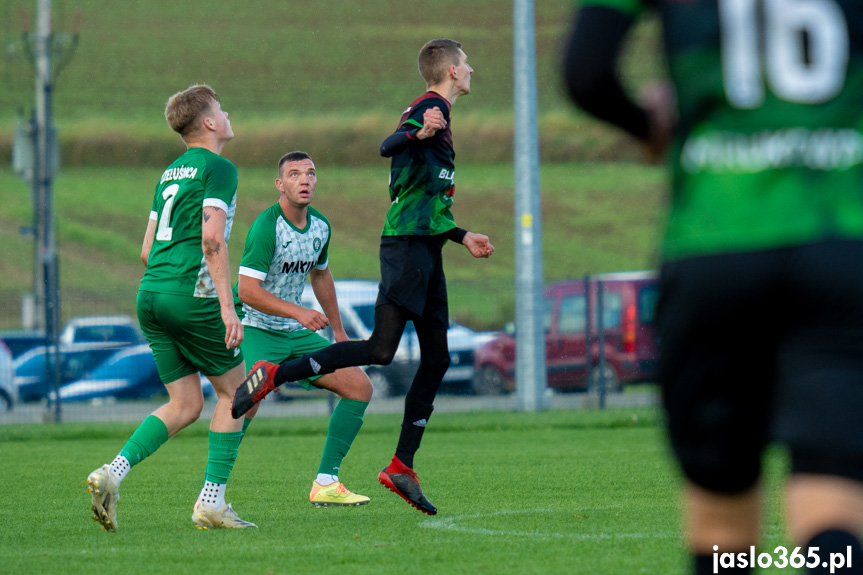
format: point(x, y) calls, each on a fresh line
point(452, 524)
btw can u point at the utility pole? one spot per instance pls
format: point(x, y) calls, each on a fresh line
point(41, 51)
point(43, 193)
point(530, 372)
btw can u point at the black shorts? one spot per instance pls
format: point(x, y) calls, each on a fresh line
point(412, 277)
point(760, 347)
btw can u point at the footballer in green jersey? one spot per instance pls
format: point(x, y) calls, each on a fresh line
point(760, 313)
point(197, 179)
point(413, 285)
point(288, 244)
point(186, 310)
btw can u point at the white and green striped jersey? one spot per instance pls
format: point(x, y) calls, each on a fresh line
point(282, 256)
point(176, 263)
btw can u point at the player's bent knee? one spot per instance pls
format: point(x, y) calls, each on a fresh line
point(381, 356)
point(358, 387)
point(186, 412)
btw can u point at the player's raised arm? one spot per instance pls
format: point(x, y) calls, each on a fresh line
point(412, 131)
point(590, 69)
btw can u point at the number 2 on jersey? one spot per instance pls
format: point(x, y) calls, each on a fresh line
point(805, 44)
point(165, 232)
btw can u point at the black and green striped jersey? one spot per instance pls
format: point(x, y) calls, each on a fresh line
point(176, 262)
point(769, 146)
point(422, 174)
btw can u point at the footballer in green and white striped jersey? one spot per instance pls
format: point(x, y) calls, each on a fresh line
point(281, 256)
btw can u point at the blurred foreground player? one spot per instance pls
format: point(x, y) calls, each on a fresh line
point(413, 286)
point(761, 296)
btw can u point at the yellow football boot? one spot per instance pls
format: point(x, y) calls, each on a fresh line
point(334, 494)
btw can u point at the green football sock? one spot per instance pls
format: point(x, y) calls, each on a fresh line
point(149, 437)
point(222, 455)
point(345, 423)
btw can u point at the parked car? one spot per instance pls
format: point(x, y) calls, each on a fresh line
point(20, 341)
point(8, 391)
point(76, 359)
point(129, 373)
point(630, 341)
point(357, 307)
point(84, 343)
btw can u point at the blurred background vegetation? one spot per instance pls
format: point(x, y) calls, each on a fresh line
point(332, 79)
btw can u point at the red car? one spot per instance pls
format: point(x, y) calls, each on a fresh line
point(630, 341)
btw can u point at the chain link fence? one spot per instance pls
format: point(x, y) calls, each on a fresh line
point(106, 371)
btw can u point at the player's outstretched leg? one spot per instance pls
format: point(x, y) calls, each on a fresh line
point(403, 481)
point(105, 494)
point(209, 517)
point(257, 385)
point(334, 495)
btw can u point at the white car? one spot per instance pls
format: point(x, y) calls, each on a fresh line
point(101, 328)
point(357, 307)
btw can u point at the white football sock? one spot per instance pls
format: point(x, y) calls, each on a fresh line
point(213, 495)
point(119, 468)
point(326, 479)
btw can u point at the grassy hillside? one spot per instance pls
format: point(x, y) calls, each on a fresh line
point(331, 77)
point(595, 218)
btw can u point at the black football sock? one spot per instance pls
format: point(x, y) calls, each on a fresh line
point(379, 349)
point(323, 361)
point(419, 401)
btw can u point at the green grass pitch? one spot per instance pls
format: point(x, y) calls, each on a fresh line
point(552, 492)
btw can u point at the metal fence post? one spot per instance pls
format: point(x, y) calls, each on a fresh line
point(600, 328)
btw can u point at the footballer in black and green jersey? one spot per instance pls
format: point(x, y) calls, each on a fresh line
point(760, 313)
point(413, 285)
point(758, 129)
point(422, 175)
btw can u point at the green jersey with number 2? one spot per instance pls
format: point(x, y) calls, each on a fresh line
point(176, 263)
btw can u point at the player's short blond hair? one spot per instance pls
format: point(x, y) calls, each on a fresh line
point(185, 108)
point(435, 59)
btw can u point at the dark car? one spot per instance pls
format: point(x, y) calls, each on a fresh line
point(130, 373)
point(127, 373)
point(20, 341)
point(629, 337)
point(75, 361)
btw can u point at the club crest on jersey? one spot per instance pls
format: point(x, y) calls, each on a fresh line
point(317, 244)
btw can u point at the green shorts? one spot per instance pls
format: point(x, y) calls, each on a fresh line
point(281, 346)
point(186, 335)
